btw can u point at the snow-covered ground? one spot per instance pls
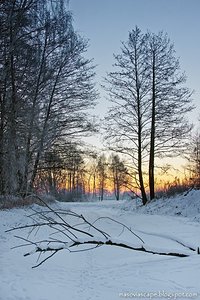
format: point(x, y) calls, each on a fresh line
point(109, 272)
point(183, 205)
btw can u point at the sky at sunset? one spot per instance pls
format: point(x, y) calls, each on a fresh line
point(106, 24)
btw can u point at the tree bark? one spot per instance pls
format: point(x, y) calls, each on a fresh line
point(11, 170)
point(152, 138)
point(25, 187)
point(44, 130)
point(2, 116)
point(140, 173)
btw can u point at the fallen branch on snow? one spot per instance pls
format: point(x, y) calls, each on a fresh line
point(65, 234)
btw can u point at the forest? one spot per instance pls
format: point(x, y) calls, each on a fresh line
point(47, 97)
point(99, 204)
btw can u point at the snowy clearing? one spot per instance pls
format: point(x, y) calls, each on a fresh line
point(107, 272)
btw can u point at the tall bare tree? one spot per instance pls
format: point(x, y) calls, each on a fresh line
point(150, 100)
point(128, 118)
point(170, 101)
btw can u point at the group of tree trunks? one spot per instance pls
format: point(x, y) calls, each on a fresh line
point(46, 87)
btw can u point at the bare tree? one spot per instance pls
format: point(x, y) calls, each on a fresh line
point(193, 157)
point(118, 174)
point(46, 87)
point(15, 60)
point(128, 118)
point(150, 103)
point(62, 173)
point(92, 171)
point(70, 91)
point(102, 175)
point(170, 101)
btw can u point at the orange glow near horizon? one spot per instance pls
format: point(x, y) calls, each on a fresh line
point(88, 182)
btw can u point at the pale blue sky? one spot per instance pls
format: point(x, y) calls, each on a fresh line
point(107, 22)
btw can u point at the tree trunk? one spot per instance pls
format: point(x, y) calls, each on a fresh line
point(24, 188)
point(44, 130)
point(11, 169)
point(117, 187)
point(140, 173)
point(94, 185)
point(2, 116)
point(102, 191)
point(152, 140)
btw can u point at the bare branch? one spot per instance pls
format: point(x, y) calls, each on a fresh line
point(65, 239)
